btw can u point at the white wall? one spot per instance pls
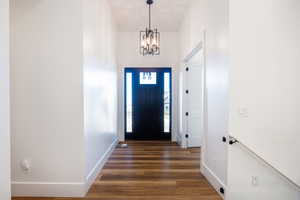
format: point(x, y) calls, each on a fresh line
point(244, 167)
point(211, 16)
point(100, 84)
point(129, 56)
point(64, 104)
point(4, 102)
point(46, 97)
point(265, 50)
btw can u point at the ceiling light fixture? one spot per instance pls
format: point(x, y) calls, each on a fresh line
point(150, 39)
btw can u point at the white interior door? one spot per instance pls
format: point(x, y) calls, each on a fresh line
point(194, 101)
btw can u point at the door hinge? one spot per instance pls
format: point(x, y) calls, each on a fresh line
point(187, 69)
point(224, 139)
point(222, 190)
point(186, 135)
point(187, 91)
point(187, 114)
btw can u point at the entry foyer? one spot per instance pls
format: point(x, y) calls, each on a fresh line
point(149, 99)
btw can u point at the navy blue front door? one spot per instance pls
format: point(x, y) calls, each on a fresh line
point(148, 104)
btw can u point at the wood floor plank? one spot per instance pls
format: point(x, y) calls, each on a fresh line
point(148, 170)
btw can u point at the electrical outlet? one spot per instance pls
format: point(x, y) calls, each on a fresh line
point(25, 165)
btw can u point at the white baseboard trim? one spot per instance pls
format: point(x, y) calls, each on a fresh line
point(48, 189)
point(121, 136)
point(194, 141)
point(178, 138)
point(61, 189)
point(99, 165)
point(213, 179)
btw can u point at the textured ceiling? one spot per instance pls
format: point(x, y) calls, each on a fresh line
point(132, 15)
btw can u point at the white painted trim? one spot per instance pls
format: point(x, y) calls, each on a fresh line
point(213, 179)
point(192, 142)
point(179, 139)
point(99, 165)
point(204, 101)
point(121, 136)
point(194, 51)
point(48, 189)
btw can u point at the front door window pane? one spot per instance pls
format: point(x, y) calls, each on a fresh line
point(148, 78)
point(128, 102)
point(167, 100)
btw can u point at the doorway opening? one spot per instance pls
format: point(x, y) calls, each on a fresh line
point(193, 98)
point(148, 103)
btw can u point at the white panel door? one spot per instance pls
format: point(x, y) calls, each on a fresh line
point(194, 104)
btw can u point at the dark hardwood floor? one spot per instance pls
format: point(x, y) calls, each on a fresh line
point(150, 170)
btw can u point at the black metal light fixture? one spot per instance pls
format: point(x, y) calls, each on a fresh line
point(150, 39)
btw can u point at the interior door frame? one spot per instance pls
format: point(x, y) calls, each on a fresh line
point(147, 69)
point(199, 48)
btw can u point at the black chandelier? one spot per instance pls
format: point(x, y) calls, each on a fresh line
point(149, 39)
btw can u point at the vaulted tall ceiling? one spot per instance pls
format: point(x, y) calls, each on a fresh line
point(132, 15)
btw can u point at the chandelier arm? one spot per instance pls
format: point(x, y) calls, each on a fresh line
point(150, 16)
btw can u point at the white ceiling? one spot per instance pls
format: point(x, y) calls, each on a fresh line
point(132, 15)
